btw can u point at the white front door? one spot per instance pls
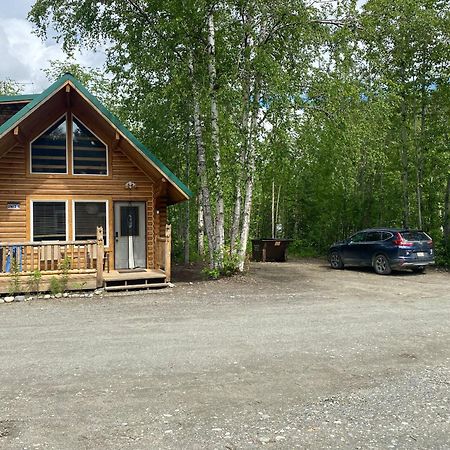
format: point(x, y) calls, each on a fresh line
point(129, 235)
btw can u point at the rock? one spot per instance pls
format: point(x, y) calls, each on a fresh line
point(9, 299)
point(264, 439)
point(171, 285)
point(91, 295)
point(19, 298)
point(29, 298)
point(98, 291)
point(47, 296)
point(58, 295)
point(2, 301)
point(66, 294)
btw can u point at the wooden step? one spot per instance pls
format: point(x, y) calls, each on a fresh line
point(125, 287)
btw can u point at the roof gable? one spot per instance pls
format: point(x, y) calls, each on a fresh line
point(38, 100)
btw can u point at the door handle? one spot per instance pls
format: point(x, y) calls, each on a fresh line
point(117, 236)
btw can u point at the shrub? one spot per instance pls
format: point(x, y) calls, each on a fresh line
point(65, 266)
point(14, 284)
point(230, 266)
point(34, 281)
point(55, 286)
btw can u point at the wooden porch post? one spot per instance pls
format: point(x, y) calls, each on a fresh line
point(167, 252)
point(100, 255)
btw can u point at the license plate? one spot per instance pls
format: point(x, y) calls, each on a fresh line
point(420, 254)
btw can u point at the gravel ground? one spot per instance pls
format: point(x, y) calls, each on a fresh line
point(292, 355)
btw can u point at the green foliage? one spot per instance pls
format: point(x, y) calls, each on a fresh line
point(353, 116)
point(94, 79)
point(34, 281)
point(65, 266)
point(10, 87)
point(230, 264)
point(442, 254)
point(55, 286)
point(59, 284)
point(14, 284)
point(229, 267)
point(213, 273)
point(302, 249)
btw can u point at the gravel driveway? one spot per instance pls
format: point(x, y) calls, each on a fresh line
point(293, 355)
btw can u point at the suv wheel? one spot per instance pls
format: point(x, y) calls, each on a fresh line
point(381, 265)
point(336, 261)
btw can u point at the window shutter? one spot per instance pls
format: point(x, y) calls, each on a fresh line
point(48, 151)
point(49, 221)
point(89, 153)
point(89, 216)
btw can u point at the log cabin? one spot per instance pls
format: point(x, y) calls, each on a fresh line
point(81, 199)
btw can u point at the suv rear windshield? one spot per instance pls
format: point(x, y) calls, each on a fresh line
point(415, 236)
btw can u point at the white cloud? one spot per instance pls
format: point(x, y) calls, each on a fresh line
point(23, 55)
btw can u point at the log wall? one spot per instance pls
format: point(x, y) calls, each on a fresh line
point(19, 186)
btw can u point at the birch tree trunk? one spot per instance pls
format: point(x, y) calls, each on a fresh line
point(447, 215)
point(188, 209)
point(201, 167)
point(277, 210)
point(246, 87)
point(404, 160)
point(235, 227)
point(419, 162)
point(250, 167)
point(215, 142)
point(272, 231)
point(236, 212)
point(200, 226)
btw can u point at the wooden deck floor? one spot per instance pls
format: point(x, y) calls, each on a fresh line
point(148, 279)
point(115, 275)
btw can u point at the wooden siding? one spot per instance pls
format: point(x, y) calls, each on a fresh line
point(18, 185)
point(125, 164)
point(76, 282)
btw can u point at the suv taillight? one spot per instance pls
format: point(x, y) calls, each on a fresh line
point(400, 242)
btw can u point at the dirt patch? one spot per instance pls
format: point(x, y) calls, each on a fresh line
point(190, 272)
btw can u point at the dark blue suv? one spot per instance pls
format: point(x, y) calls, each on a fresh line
point(384, 249)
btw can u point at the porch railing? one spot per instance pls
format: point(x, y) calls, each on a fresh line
point(163, 250)
point(56, 256)
point(31, 256)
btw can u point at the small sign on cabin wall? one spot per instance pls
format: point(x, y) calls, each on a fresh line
point(13, 205)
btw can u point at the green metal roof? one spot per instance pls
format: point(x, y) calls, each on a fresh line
point(17, 98)
point(38, 99)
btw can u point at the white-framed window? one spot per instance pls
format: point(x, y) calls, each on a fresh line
point(49, 220)
point(89, 153)
point(48, 152)
point(87, 216)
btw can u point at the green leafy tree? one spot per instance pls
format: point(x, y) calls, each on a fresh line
point(10, 87)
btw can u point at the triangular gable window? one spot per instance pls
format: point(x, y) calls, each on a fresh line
point(89, 152)
point(48, 151)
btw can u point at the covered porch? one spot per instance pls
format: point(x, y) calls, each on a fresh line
point(30, 267)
